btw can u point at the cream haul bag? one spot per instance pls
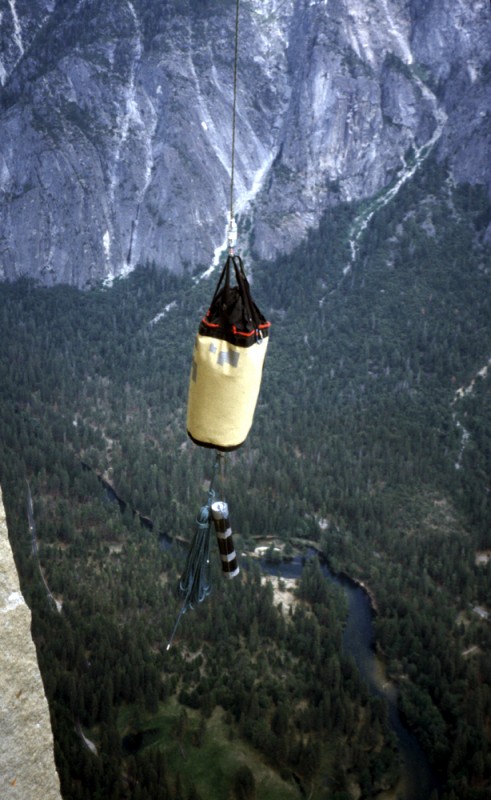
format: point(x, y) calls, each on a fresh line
point(227, 365)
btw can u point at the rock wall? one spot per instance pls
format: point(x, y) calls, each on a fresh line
point(27, 767)
point(115, 122)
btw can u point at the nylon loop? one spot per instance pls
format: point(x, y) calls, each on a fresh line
point(195, 582)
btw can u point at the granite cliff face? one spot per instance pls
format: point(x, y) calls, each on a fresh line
point(27, 766)
point(115, 121)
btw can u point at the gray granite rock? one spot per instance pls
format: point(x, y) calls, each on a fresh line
point(27, 767)
point(115, 122)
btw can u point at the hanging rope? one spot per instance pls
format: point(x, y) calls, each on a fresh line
point(232, 231)
point(194, 585)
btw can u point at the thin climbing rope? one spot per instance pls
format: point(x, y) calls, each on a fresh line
point(234, 111)
point(194, 585)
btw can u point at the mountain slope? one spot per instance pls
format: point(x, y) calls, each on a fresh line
point(371, 439)
point(115, 122)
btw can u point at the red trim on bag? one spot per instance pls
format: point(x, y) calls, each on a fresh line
point(234, 329)
point(252, 333)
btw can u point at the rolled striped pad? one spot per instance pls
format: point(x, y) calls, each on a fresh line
point(228, 556)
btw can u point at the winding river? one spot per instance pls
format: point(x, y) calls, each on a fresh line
point(418, 780)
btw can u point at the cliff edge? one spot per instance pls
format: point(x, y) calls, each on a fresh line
point(27, 766)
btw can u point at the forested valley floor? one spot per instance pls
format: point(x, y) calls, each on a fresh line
point(372, 439)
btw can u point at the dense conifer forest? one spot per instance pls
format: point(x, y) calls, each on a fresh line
point(372, 441)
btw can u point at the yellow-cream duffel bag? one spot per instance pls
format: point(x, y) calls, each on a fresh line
point(228, 359)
